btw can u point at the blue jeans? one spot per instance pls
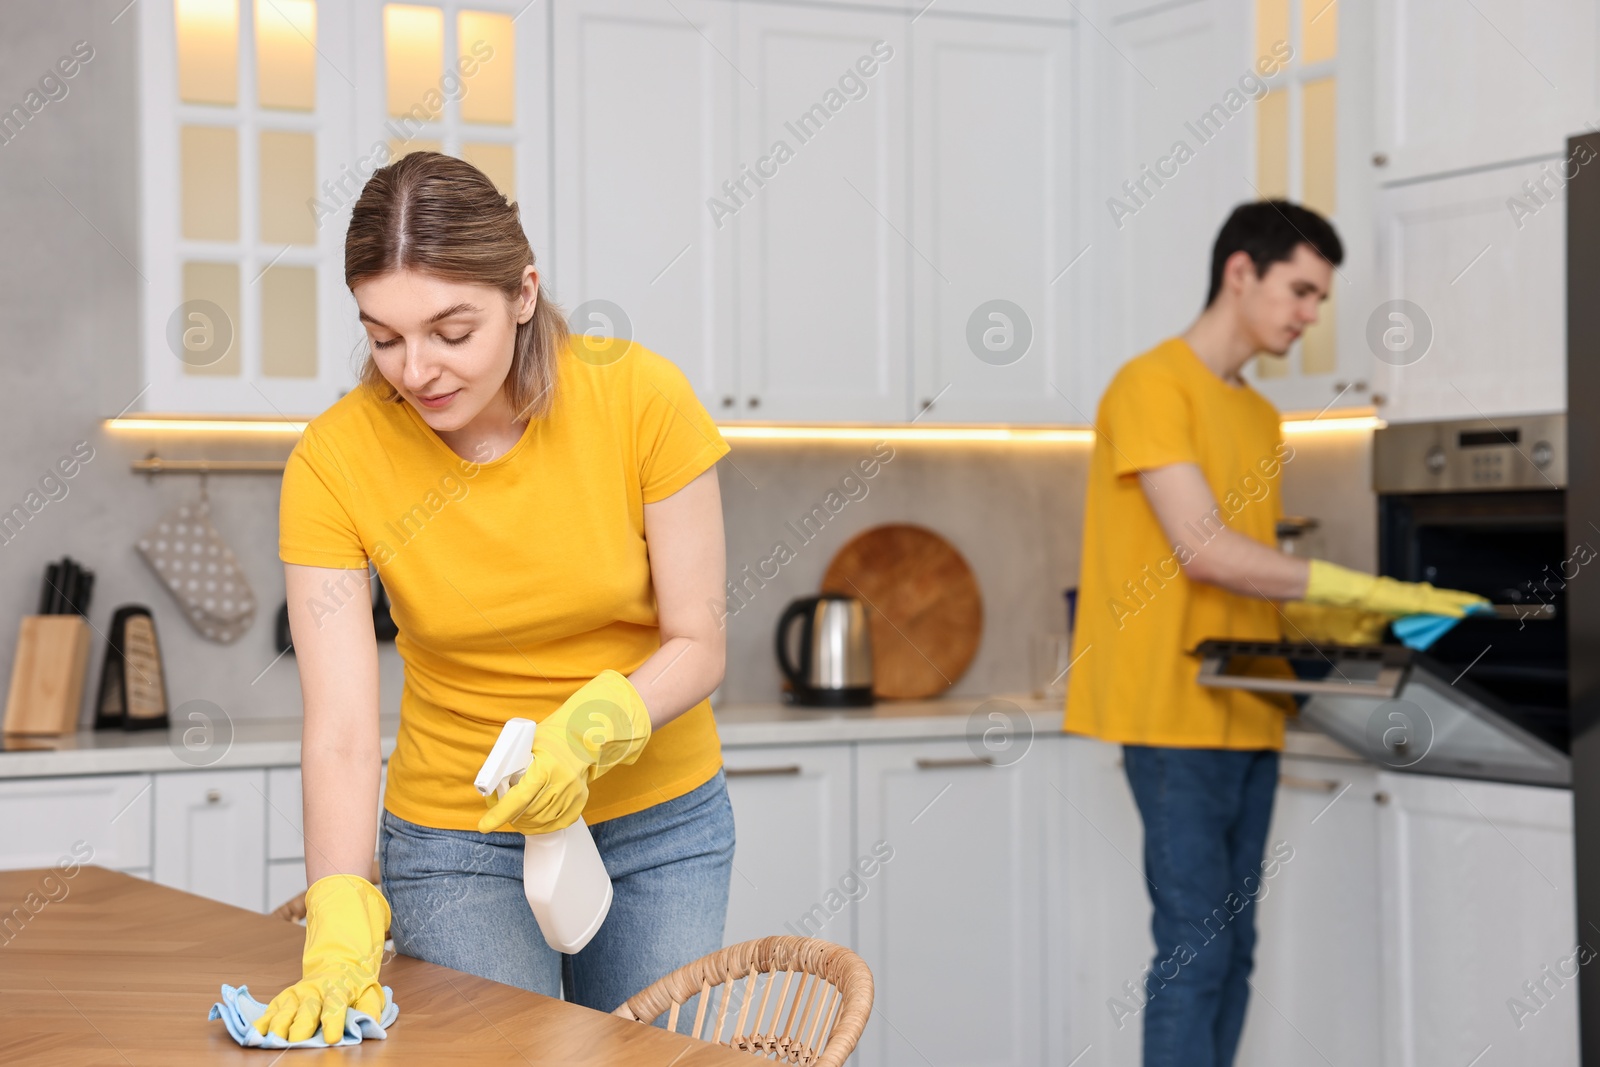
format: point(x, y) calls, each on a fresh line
point(456, 899)
point(1205, 814)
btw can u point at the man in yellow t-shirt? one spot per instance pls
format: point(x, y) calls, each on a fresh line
point(1179, 545)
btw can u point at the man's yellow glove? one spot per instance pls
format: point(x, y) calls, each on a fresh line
point(1328, 623)
point(346, 918)
point(601, 725)
point(1332, 584)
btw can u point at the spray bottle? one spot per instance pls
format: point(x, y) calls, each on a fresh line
point(562, 873)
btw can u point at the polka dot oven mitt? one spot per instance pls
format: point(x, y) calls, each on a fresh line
point(200, 571)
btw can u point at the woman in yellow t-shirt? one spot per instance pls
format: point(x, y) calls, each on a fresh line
point(544, 512)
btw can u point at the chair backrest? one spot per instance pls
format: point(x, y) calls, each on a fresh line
point(796, 999)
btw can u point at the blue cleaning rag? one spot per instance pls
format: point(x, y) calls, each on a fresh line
point(1421, 631)
point(238, 1010)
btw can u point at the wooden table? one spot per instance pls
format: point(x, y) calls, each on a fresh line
point(121, 972)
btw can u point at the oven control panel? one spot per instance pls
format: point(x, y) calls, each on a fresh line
point(1471, 454)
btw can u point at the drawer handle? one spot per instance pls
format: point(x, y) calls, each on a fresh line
point(760, 772)
point(213, 796)
point(1310, 785)
point(924, 764)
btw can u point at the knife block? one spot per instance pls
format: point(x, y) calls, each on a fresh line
point(47, 675)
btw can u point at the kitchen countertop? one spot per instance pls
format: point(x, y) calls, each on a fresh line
point(275, 742)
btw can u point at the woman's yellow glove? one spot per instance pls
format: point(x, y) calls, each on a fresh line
point(601, 725)
point(1332, 584)
point(346, 918)
point(1325, 623)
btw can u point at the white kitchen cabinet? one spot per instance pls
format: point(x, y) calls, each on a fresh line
point(1462, 86)
point(1316, 995)
point(210, 834)
point(824, 259)
point(952, 925)
point(644, 138)
point(794, 865)
point(1476, 900)
point(995, 147)
point(286, 838)
point(1149, 251)
point(286, 879)
point(244, 305)
point(44, 818)
point(1098, 905)
point(1484, 330)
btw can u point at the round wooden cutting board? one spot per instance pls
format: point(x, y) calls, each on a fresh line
point(923, 606)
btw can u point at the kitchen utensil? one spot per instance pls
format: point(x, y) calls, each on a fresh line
point(47, 675)
point(1300, 535)
point(923, 606)
point(133, 688)
point(834, 664)
point(200, 571)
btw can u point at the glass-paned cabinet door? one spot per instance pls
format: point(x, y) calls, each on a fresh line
point(465, 78)
point(246, 157)
point(1306, 127)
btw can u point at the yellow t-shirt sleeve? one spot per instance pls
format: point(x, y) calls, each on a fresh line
point(314, 526)
point(1146, 421)
point(675, 438)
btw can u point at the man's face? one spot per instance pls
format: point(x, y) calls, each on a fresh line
point(1279, 306)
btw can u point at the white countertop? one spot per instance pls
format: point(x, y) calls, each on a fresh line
point(275, 742)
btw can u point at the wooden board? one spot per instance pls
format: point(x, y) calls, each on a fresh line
point(923, 606)
point(113, 970)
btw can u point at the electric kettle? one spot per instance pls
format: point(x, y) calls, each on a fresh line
point(835, 651)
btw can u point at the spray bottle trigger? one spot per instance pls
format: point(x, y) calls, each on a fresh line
point(508, 760)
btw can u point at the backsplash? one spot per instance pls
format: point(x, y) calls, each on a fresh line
point(1015, 512)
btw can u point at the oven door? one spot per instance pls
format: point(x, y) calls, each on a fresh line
point(1509, 546)
point(1396, 708)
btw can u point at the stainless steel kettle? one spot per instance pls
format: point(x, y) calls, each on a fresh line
point(835, 651)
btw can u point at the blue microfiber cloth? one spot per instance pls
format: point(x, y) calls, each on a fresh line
point(1419, 632)
point(238, 1010)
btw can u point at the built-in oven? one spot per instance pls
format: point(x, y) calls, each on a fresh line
point(1481, 506)
point(1473, 505)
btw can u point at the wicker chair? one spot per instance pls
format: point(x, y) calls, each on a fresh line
point(826, 1011)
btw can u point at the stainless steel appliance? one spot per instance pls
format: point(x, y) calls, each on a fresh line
point(1481, 505)
point(1474, 505)
point(833, 665)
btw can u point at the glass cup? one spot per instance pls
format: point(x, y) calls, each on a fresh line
point(1050, 656)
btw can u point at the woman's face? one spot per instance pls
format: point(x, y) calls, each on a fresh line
point(445, 346)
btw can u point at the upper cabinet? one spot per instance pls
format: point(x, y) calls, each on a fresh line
point(644, 136)
point(1463, 85)
point(993, 236)
point(261, 121)
point(242, 119)
point(822, 212)
point(973, 211)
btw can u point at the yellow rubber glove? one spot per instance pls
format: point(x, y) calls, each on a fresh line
point(1332, 584)
point(346, 918)
point(601, 725)
point(1328, 623)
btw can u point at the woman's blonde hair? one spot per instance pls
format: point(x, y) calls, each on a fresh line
point(440, 215)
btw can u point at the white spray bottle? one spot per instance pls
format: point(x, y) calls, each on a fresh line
point(562, 874)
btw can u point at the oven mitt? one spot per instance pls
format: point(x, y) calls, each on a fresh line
point(200, 571)
point(238, 1011)
point(1419, 632)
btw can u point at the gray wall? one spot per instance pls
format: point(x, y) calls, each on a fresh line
point(69, 298)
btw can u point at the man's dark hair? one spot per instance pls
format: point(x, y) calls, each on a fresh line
point(1270, 230)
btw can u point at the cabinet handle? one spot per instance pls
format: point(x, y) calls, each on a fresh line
point(1380, 797)
point(759, 772)
point(754, 402)
point(213, 796)
point(1380, 159)
point(1311, 785)
point(727, 401)
point(926, 404)
point(924, 764)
